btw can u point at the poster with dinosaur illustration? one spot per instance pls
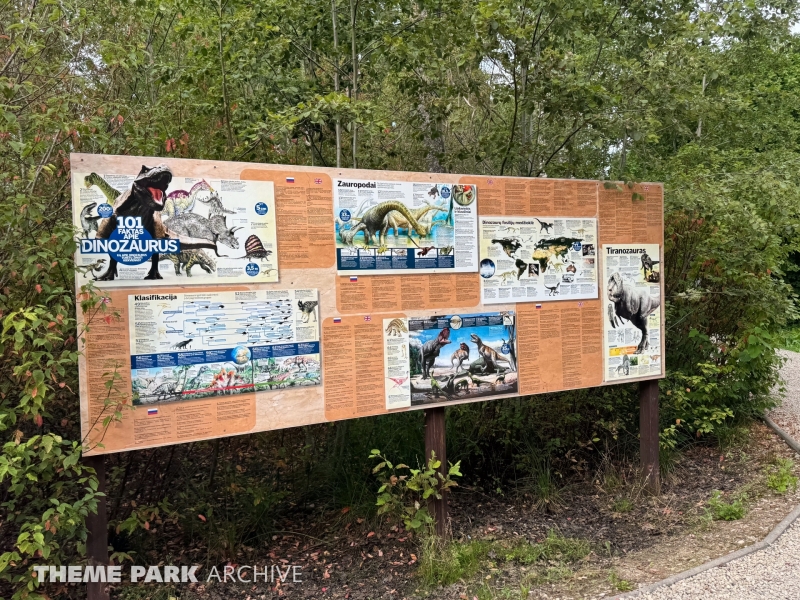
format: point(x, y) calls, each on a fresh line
point(632, 311)
point(537, 259)
point(389, 227)
point(190, 346)
point(156, 228)
point(447, 358)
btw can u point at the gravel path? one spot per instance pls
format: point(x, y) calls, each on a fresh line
point(772, 573)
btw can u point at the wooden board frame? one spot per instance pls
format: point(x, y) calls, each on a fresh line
point(616, 211)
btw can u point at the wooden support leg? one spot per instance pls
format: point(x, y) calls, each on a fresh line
point(97, 524)
point(435, 440)
point(649, 435)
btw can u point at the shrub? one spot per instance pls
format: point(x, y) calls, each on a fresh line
point(780, 477)
point(719, 510)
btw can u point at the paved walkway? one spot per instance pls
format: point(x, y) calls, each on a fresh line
point(772, 573)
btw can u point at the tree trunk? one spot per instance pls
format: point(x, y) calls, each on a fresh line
point(336, 83)
point(354, 88)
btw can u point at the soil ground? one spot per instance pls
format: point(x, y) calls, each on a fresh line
point(634, 539)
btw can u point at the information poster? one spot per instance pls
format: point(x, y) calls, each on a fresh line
point(632, 307)
point(189, 346)
point(158, 229)
point(527, 259)
point(388, 227)
point(446, 358)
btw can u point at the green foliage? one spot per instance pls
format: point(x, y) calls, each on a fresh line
point(719, 510)
point(444, 564)
point(407, 496)
point(622, 505)
point(701, 96)
point(781, 477)
point(621, 585)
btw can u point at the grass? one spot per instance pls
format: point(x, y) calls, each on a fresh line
point(719, 510)
point(543, 486)
point(444, 564)
point(622, 505)
point(780, 477)
point(621, 585)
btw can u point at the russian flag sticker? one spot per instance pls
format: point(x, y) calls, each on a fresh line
point(290, 180)
point(353, 278)
point(337, 320)
point(538, 306)
point(152, 411)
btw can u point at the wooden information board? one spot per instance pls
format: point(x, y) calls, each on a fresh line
point(304, 295)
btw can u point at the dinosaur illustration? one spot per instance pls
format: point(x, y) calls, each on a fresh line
point(557, 266)
point(633, 304)
point(398, 221)
point(522, 266)
point(544, 227)
point(145, 199)
point(424, 251)
point(509, 245)
point(501, 378)
point(446, 251)
point(489, 355)
point(374, 222)
point(189, 258)
point(460, 355)
point(215, 207)
point(109, 192)
point(506, 276)
point(511, 229)
point(431, 349)
point(182, 345)
point(625, 367)
point(396, 328)
point(214, 230)
point(553, 291)
point(88, 220)
point(433, 192)
point(255, 249)
point(180, 201)
point(94, 267)
point(308, 308)
point(647, 264)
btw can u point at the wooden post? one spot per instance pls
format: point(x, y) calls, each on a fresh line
point(97, 524)
point(436, 441)
point(649, 435)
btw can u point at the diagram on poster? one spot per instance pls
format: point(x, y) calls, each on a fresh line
point(187, 346)
point(445, 358)
point(384, 227)
point(172, 230)
point(524, 259)
point(632, 301)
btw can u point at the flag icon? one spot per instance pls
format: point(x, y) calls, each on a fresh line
point(367, 318)
point(318, 181)
point(538, 306)
point(290, 180)
point(580, 304)
point(353, 278)
point(152, 411)
point(490, 181)
point(337, 320)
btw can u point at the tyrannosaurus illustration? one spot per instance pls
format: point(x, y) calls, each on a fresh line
point(634, 304)
point(144, 199)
